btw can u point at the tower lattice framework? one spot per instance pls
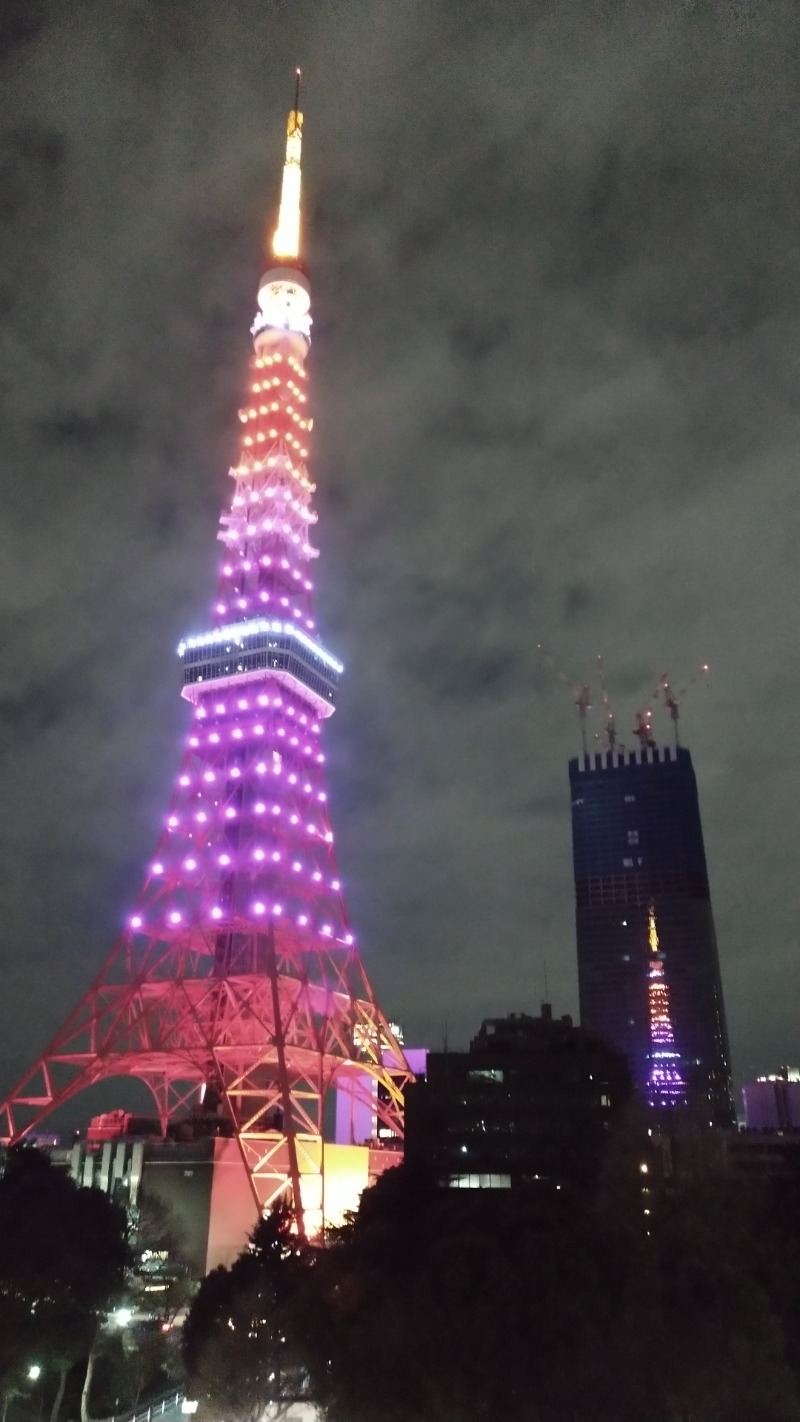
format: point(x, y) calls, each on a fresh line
point(236, 982)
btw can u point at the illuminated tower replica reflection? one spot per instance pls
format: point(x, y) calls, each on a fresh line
point(666, 1086)
point(236, 992)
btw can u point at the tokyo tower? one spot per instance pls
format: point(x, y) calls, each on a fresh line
point(235, 991)
point(666, 1086)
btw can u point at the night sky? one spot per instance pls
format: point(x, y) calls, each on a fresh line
point(555, 255)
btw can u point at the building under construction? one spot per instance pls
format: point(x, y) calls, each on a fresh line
point(648, 968)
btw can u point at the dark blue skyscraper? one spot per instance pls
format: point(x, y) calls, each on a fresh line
point(639, 859)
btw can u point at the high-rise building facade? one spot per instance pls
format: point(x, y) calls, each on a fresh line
point(648, 968)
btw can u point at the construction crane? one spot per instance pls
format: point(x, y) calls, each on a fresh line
point(674, 700)
point(643, 728)
point(643, 720)
point(610, 729)
point(581, 694)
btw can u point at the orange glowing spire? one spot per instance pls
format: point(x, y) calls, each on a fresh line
point(286, 241)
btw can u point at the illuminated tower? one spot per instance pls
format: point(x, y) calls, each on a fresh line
point(236, 991)
point(666, 1086)
point(639, 859)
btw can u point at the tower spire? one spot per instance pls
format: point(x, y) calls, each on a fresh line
point(286, 239)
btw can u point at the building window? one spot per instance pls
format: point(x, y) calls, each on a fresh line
point(633, 836)
point(627, 863)
point(482, 1181)
point(629, 799)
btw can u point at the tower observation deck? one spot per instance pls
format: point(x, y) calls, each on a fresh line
point(236, 989)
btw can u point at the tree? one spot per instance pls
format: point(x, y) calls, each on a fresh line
point(238, 1353)
point(63, 1254)
point(160, 1276)
point(462, 1305)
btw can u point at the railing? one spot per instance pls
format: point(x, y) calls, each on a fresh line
point(165, 1405)
point(162, 1406)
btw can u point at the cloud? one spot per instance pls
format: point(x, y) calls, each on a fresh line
point(555, 269)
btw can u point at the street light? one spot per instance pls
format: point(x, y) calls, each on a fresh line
point(34, 1371)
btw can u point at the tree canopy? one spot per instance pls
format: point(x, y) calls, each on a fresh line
point(238, 1348)
point(457, 1309)
point(63, 1254)
point(436, 1305)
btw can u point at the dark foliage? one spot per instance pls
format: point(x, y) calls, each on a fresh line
point(63, 1255)
point(238, 1350)
point(439, 1308)
point(667, 1300)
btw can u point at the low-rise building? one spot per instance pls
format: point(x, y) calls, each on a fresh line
point(528, 1105)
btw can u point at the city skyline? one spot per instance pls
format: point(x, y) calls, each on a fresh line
point(554, 402)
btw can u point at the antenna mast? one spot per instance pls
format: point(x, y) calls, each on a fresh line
point(286, 239)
